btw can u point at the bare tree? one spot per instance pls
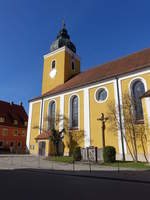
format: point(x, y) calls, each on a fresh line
point(135, 135)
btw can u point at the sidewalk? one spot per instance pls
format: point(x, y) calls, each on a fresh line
point(27, 162)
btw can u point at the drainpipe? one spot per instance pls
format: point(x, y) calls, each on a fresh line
point(120, 120)
point(41, 116)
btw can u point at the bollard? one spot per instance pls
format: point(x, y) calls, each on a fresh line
point(11, 161)
point(118, 167)
point(52, 167)
point(90, 166)
point(73, 162)
point(39, 161)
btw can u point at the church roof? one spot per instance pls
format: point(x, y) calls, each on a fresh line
point(11, 112)
point(122, 66)
point(43, 136)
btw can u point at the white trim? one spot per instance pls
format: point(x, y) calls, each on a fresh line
point(48, 111)
point(69, 113)
point(98, 83)
point(147, 101)
point(43, 107)
point(79, 90)
point(29, 126)
point(97, 91)
point(133, 74)
point(117, 111)
point(40, 117)
point(132, 81)
point(122, 116)
point(61, 123)
point(62, 49)
point(86, 118)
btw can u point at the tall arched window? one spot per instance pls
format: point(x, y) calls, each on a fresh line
point(51, 115)
point(74, 112)
point(138, 90)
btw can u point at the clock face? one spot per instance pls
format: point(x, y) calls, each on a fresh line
point(52, 73)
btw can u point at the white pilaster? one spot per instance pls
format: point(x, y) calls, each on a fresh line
point(29, 126)
point(147, 101)
point(86, 118)
point(61, 123)
point(122, 116)
point(117, 112)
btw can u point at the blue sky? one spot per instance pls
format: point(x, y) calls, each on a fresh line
point(102, 30)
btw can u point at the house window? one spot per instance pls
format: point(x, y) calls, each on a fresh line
point(23, 133)
point(137, 90)
point(51, 115)
point(1, 144)
point(15, 132)
point(53, 65)
point(2, 119)
point(19, 144)
point(73, 65)
point(11, 144)
point(25, 123)
point(15, 122)
point(5, 131)
point(74, 112)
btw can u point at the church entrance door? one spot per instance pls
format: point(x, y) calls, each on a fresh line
point(42, 148)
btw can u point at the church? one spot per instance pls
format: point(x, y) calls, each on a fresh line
point(81, 98)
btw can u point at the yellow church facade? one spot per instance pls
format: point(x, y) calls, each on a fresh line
point(75, 100)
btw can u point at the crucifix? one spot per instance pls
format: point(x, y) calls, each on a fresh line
point(103, 120)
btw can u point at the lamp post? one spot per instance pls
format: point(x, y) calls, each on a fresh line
point(103, 120)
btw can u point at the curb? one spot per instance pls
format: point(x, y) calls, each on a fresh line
point(63, 173)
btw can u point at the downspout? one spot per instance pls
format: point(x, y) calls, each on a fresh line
point(120, 120)
point(41, 116)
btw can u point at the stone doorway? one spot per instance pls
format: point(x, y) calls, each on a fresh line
point(42, 146)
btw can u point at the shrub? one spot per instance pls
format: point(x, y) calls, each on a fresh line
point(77, 154)
point(109, 154)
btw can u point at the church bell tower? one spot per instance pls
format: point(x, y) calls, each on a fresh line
point(61, 64)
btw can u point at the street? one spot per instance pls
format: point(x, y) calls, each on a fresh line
point(27, 184)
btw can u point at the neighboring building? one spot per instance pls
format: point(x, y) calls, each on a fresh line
point(13, 128)
point(82, 96)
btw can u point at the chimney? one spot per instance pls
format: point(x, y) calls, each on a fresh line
point(20, 103)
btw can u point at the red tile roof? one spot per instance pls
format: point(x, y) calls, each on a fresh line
point(11, 112)
point(44, 136)
point(146, 94)
point(128, 64)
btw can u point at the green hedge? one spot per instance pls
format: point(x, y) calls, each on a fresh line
point(77, 154)
point(109, 154)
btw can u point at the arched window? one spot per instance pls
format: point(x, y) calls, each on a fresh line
point(51, 115)
point(74, 112)
point(138, 90)
point(53, 64)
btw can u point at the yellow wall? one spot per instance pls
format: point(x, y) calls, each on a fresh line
point(45, 115)
point(80, 131)
point(63, 70)
point(95, 112)
point(35, 122)
point(68, 70)
point(125, 86)
point(147, 128)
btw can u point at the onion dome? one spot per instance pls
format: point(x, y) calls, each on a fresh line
point(63, 39)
